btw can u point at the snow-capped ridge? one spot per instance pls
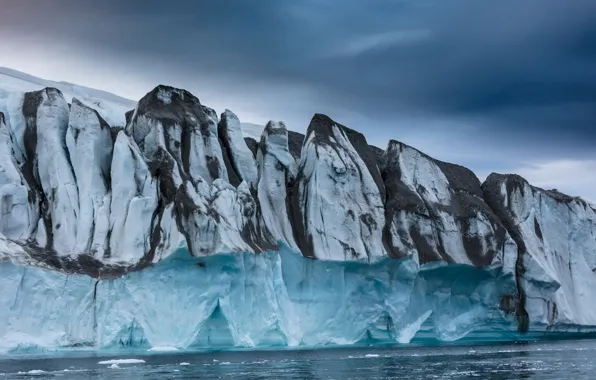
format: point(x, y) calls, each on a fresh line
point(110, 106)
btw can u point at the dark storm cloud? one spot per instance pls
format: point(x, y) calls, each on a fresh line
point(517, 70)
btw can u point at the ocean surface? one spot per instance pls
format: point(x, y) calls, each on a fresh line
point(559, 360)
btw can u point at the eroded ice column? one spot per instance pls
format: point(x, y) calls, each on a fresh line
point(133, 205)
point(172, 122)
point(48, 168)
point(339, 200)
point(277, 167)
point(436, 210)
point(242, 160)
point(14, 204)
point(89, 143)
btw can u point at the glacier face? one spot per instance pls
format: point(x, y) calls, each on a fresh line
point(318, 239)
point(556, 240)
point(248, 300)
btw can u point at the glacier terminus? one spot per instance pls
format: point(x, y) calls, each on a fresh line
point(163, 223)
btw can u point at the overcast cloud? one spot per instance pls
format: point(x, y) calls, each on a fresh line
point(506, 86)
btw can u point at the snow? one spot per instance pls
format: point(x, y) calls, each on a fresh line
point(253, 131)
point(122, 361)
point(165, 96)
point(111, 107)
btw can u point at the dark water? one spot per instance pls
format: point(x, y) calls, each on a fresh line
point(543, 360)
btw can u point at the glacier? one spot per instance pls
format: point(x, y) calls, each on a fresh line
point(247, 300)
point(161, 224)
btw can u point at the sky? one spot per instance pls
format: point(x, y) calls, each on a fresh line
point(504, 86)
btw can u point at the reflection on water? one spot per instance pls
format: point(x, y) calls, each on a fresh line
point(544, 360)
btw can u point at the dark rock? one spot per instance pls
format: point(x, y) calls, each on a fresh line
point(128, 116)
point(253, 145)
point(295, 141)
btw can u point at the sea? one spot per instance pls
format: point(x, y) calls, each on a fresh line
point(560, 360)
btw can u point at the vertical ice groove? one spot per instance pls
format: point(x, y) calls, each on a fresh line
point(276, 167)
point(89, 143)
point(14, 204)
point(54, 171)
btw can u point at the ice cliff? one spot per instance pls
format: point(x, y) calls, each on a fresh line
point(110, 232)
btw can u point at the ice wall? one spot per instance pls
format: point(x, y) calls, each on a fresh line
point(247, 300)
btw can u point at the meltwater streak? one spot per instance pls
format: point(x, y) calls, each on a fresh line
point(274, 299)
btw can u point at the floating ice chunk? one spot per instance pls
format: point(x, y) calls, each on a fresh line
point(184, 363)
point(371, 355)
point(114, 366)
point(122, 361)
point(163, 349)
